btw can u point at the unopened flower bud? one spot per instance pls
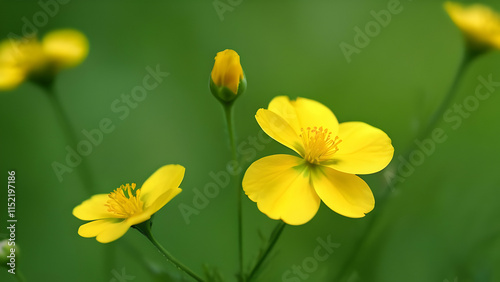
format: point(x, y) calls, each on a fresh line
point(227, 81)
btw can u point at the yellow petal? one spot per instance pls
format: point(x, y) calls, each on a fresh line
point(162, 200)
point(346, 194)
point(22, 57)
point(276, 127)
point(165, 179)
point(106, 230)
point(280, 186)
point(282, 106)
point(364, 149)
point(139, 218)
point(92, 229)
point(66, 47)
point(93, 208)
point(10, 77)
point(113, 232)
point(314, 114)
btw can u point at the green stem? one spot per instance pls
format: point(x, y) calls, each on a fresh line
point(64, 122)
point(275, 235)
point(430, 126)
point(448, 98)
point(145, 229)
point(228, 110)
point(83, 171)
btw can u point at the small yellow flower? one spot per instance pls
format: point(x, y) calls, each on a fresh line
point(18, 59)
point(479, 23)
point(227, 77)
point(66, 47)
point(114, 213)
point(290, 188)
point(28, 58)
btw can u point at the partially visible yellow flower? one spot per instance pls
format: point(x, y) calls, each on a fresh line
point(18, 59)
point(25, 59)
point(114, 213)
point(227, 79)
point(66, 47)
point(291, 188)
point(10, 77)
point(479, 23)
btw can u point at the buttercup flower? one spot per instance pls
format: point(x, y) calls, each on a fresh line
point(227, 80)
point(17, 60)
point(479, 23)
point(290, 188)
point(28, 58)
point(114, 213)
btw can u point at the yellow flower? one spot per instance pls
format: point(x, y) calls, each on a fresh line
point(66, 47)
point(290, 188)
point(18, 59)
point(479, 23)
point(114, 213)
point(25, 59)
point(227, 77)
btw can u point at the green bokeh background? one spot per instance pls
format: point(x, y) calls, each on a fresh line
point(440, 224)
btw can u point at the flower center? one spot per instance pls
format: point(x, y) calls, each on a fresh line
point(124, 201)
point(318, 144)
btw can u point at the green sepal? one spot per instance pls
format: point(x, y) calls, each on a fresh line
point(226, 95)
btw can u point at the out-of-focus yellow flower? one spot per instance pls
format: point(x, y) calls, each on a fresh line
point(65, 48)
point(18, 59)
point(114, 213)
point(479, 23)
point(27, 58)
point(291, 188)
point(10, 77)
point(227, 80)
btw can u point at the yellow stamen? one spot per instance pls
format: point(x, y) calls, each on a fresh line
point(318, 144)
point(125, 201)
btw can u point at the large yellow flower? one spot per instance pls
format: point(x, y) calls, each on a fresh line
point(290, 188)
point(479, 23)
point(114, 213)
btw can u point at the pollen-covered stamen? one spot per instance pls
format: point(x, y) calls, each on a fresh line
point(125, 201)
point(318, 144)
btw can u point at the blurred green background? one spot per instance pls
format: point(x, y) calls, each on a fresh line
point(440, 224)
